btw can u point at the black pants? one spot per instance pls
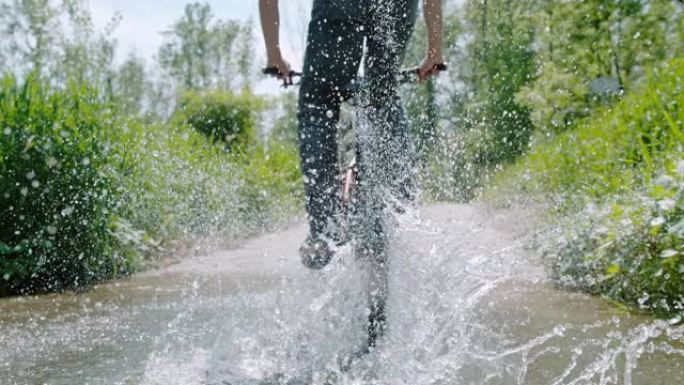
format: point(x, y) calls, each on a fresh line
point(333, 56)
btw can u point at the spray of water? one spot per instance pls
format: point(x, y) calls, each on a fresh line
point(469, 304)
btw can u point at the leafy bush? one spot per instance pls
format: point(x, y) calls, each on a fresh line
point(57, 198)
point(456, 167)
point(220, 115)
point(617, 149)
point(177, 184)
point(272, 183)
point(631, 251)
point(625, 165)
point(174, 182)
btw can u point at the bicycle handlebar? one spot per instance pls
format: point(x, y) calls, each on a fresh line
point(405, 76)
point(274, 71)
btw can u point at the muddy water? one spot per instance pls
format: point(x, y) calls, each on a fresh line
point(469, 305)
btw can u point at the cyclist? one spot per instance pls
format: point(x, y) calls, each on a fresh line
point(333, 56)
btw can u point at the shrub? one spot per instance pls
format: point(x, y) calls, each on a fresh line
point(617, 149)
point(624, 165)
point(273, 188)
point(177, 184)
point(220, 115)
point(57, 198)
point(632, 250)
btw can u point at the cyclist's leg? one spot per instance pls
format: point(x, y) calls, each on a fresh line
point(333, 54)
point(388, 158)
point(386, 50)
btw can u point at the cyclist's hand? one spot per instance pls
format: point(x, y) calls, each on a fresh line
point(430, 66)
point(284, 70)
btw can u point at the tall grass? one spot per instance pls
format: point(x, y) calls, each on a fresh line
point(88, 194)
point(178, 184)
point(57, 198)
point(618, 177)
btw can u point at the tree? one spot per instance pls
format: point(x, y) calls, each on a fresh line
point(28, 34)
point(36, 41)
point(592, 51)
point(422, 105)
point(201, 52)
point(130, 85)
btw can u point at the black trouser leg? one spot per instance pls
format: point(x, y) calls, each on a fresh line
point(332, 59)
point(389, 150)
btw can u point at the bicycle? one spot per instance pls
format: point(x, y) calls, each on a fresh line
point(364, 185)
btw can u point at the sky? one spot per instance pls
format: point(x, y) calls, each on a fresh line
point(143, 21)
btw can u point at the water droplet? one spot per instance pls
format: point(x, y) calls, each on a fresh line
point(67, 211)
point(680, 168)
point(52, 230)
point(668, 253)
point(657, 222)
point(30, 175)
point(329, 114)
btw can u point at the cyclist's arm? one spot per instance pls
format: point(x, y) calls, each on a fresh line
point(432, 11)
point(270, 25)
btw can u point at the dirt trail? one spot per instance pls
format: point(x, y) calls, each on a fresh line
point(469, 304)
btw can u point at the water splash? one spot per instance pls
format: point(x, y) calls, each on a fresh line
point(469, 304)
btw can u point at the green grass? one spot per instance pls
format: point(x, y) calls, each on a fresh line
point(90, 194)
point(617, 180)
point(57, 197)
point(178, 184)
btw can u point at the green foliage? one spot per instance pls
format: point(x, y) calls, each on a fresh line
point(129, 85)
point(285, 126)
point(57, 40)
point(631, 250)
point(87, 187)
point(86, 193)
point(590, 51)
point(505, 63)
point(178, 185)
point(220, 115)
point(625, 165)
point(481, 122)
point(201, 52)
point(272, 185)
point(620, 148)
point(57, 198)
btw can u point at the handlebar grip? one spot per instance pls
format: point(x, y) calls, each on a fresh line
point(270, 71)
point(416, 70)
point(274, 71)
